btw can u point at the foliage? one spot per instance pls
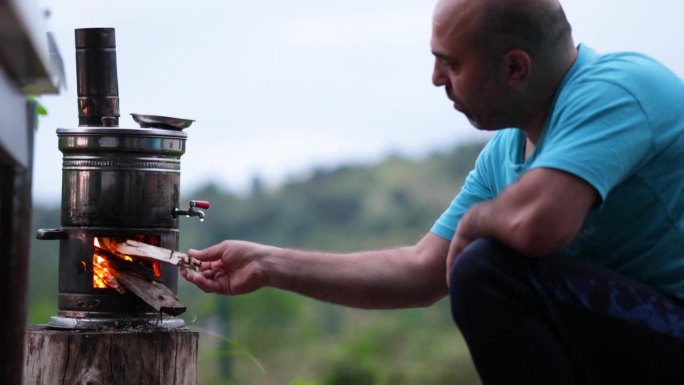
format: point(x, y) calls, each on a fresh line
point(279, 338)
point(39, 109)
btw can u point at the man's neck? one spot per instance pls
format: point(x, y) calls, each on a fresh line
point(529, 148)
point(533, 129)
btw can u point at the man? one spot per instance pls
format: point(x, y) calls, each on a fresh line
point(564, 251)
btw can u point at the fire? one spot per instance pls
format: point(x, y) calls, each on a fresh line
point(104, 272)
point(100, 271)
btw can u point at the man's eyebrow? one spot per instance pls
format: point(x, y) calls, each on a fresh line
point(442, 56)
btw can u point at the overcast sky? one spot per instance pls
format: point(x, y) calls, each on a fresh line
point(278, 87)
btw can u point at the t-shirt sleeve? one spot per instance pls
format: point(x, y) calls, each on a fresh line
point(601, 135)
point(475, 189)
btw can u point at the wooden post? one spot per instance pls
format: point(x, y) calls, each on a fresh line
point(153, 356)
point(15, 223)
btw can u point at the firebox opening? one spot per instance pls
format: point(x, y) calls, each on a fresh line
point(106, 261)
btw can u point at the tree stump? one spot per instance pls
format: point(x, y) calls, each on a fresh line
point(152, 356)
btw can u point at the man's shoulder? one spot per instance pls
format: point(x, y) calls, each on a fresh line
point(629, 70)
point(634, 81)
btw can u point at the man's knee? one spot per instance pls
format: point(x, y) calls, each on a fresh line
point(479, 256)
point(484, 269)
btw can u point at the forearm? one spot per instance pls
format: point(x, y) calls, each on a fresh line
point(395, 278)
point(493, 219)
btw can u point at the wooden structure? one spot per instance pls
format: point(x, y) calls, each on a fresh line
point(29, 65)
point(151, 356)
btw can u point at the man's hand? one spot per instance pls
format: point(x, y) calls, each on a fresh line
point(230, 267)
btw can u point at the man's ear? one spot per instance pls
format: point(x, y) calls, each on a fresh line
point(516, 66)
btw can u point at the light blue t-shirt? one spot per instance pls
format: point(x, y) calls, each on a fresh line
point(618, 123)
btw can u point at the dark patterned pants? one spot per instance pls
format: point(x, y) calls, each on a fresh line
point(561, 320)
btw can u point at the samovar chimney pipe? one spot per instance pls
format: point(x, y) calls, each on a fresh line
point(96, 77)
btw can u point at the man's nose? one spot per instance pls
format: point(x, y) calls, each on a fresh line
point(439, 78)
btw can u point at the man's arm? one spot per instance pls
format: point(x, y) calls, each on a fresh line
point(409, 276)
point(537, 215)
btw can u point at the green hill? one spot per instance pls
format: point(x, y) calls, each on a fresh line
point(272, 337)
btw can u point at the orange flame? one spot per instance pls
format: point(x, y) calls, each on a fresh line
point(103, 273)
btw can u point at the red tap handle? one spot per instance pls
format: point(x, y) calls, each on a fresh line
point(202, 204)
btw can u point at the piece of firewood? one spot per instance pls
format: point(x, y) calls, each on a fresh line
point(144, 250)
point(155, 294)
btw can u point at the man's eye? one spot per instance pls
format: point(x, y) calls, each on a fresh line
point(448, 64)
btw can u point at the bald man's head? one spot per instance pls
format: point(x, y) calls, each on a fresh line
point(501, 61)
point(538, 27)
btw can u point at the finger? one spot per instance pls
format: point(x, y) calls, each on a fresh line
point(449, 262)
point(206, 284)
point(213, 274)
point(451, 258)
point(455, 249)
point(210, 265)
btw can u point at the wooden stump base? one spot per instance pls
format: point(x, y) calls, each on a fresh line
point(153, 356)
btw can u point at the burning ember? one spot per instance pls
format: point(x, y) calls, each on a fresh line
point(102, 275)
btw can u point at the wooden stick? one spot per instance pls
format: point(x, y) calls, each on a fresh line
point(156, 294)
point(143, 250)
